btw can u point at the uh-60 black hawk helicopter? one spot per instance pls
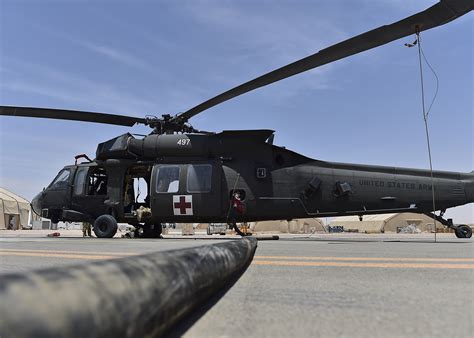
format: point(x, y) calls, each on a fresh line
point(192, 176)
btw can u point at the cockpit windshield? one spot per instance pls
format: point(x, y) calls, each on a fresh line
point(61, 181)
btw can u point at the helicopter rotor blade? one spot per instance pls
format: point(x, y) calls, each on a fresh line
point(75, 115)
point(437, 15)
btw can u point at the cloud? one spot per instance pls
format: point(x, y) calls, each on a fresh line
point(117, 55)
point(112, 53)
point(278, 39)
point(401, 4)
point(67, 87)
point(259, 39)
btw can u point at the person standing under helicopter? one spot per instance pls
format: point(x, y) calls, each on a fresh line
point(86, 229)
point(237, 207)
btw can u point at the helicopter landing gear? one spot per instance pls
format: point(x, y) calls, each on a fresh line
point(105, 226)
point(463, 231)
point(152, 230)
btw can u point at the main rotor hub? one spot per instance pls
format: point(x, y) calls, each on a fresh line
point(168, 124)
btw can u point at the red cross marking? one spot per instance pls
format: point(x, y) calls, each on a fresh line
point(182, 205)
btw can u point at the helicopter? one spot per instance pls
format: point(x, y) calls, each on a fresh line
point(195, 176)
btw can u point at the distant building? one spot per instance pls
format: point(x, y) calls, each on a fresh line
point(387, 222)
point(14, 210)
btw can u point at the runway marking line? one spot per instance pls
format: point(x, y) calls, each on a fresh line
point(91, 255)
point(387, 259)
point(364, 265)
point(69, 252)
point(56, 255)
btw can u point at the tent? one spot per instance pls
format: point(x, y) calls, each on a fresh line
point(14, 210)
point(369, 224)
point(386, 222)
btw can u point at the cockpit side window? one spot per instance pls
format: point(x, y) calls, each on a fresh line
point(61, 181)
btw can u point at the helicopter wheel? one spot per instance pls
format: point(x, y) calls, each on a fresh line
point(105, 226)
point(463, 231)
point(152, 230)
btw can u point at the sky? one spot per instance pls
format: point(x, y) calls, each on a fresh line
point(155, 57)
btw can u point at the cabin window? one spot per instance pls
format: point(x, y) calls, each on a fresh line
point(167, 179)
point(199, 178)
point(61, 181)
point(80, 182)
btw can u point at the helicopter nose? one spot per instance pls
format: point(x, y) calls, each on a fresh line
point(36, 204)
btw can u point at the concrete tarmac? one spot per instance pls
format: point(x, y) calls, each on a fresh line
point(322, 285)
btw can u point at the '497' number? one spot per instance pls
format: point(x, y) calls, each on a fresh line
point(184, 142)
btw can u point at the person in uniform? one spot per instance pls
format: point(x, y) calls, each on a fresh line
point(86, 229)
point(237, 208)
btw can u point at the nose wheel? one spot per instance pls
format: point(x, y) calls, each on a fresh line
point(463, 231)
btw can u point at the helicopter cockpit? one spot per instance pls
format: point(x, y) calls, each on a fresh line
point(54, 196)
point(68, 190)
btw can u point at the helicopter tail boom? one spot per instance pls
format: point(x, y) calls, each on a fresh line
point(470, 187)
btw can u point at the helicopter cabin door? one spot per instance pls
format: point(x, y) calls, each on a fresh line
point(186, 192)
point(90, 190)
